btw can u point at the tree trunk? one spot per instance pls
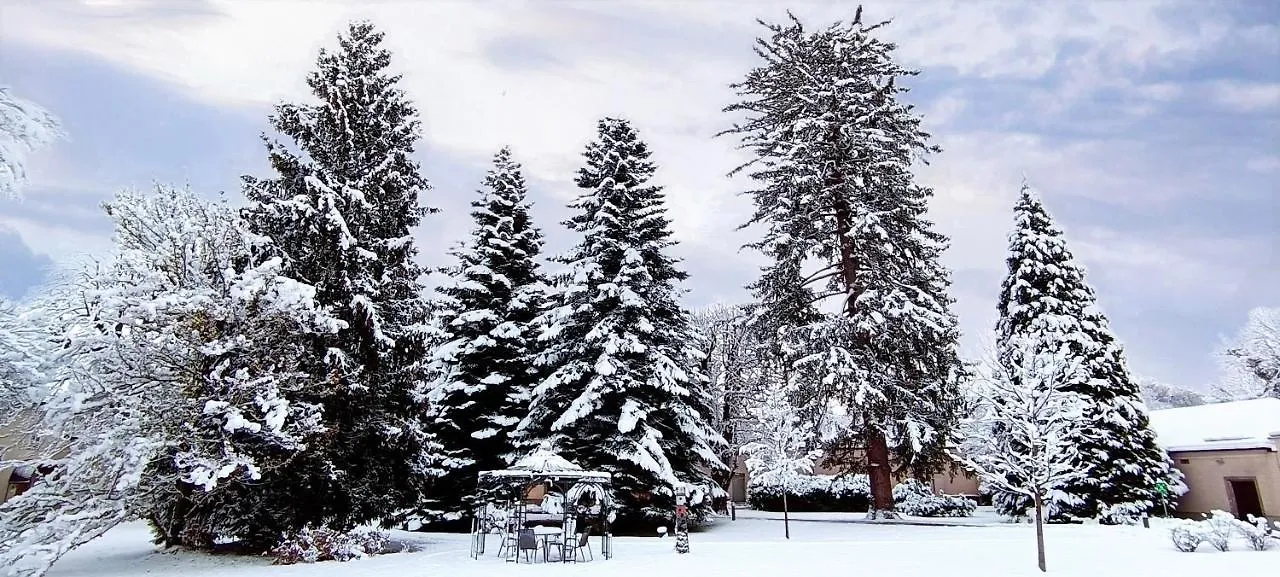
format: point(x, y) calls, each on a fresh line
point(878, 470)
point(786, 517)
point(1040, 530)
point(877, 448)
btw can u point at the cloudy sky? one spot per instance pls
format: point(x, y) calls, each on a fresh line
point(1151, 128)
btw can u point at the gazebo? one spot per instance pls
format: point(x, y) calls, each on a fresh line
point(543, 495)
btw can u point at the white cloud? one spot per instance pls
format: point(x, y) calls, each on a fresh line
point(1248, 96)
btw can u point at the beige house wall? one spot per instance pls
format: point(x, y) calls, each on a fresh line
point(16, 442)
point(1208, 472)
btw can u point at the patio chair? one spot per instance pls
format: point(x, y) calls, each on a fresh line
point(572, 549)
point(557, 541)
point(527, 543)
point(508, 538)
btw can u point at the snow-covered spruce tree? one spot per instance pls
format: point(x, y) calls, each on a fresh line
point(168, 393)
point(622, 387)
point(1251, 361)
point(485, 369)
point(340, 212)
point(1021, 438)
point(834, 147)
point(24, 128)
point(1046, 299)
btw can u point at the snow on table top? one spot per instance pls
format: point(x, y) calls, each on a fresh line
point(1221, 426)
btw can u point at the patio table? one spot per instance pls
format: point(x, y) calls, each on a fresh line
point(545, 533)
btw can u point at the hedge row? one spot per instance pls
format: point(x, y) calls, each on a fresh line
point(852, 493)
point(814, 493)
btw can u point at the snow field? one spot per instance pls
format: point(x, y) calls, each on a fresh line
point(748, 547)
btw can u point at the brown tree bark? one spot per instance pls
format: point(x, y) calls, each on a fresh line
point(1040, 530)
point(880, 475)
point(786, 515)
point(877, 448)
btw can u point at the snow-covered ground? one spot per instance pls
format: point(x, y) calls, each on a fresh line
point(747, 547)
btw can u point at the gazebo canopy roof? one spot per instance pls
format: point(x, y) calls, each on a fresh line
point(546, 463)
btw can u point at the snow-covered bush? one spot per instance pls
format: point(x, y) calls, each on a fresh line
point(1187, 535)
point(1257, 531)
point(311, 545)
point(852, 494)
point(812, 493)
point(913, 497)
point(1218, 529)
point(172, 393)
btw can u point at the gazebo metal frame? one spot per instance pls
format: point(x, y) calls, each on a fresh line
point(509, 487)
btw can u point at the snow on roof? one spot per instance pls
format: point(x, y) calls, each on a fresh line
point(1235, 425)
point(545, 459)
point(545, 462)
point(527, 474)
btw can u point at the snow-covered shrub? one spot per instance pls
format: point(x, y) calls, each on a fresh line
point(1218, 529)
point(1187, 535)
point(913, 497)
point(812, 493)
point(1257, 531)
point(322, 544)
point(852, 494)
point(1129, 513)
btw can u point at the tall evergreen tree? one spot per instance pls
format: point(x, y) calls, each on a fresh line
point(834, 146)
point(485, 371)
point(622, 390)
point(340, 212)
point(1046, 299)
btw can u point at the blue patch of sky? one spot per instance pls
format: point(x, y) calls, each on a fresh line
point(20, 269)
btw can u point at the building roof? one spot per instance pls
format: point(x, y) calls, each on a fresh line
point(1253, 424)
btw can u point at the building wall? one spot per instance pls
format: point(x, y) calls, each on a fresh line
point(1207, 473)
point(16, 442)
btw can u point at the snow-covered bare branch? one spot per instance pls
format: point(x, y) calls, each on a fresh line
point(24, 128)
